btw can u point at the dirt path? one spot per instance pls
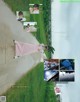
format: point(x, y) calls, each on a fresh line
point(12, 69)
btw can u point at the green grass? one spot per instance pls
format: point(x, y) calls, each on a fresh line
point(32, 88)
point(17, 5)
point(40, 22)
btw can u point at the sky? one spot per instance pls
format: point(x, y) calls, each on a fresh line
point(66, 39)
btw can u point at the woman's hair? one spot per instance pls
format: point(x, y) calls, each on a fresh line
point(49, 48)
point(20, 13)
point(28, 25)
point(46, 47)
point(36, 5)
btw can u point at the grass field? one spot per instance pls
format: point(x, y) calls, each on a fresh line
point(31, 87)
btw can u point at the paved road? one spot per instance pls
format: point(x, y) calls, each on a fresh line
point(12, 69)
point(66, 40)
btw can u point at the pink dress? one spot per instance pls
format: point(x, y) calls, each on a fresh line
point(22, 49)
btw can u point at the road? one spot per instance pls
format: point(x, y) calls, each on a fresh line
point(12, 69)
point(66, 40)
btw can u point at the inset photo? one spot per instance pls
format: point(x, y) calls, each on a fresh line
point(30, 26)
point(67, 64)
point(3, 99)
point(22, 15)
point(51, 75)
point(67, 76)
point(51, 64)
point(34, 8)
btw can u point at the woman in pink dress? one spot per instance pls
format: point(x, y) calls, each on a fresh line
point(22, 49)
